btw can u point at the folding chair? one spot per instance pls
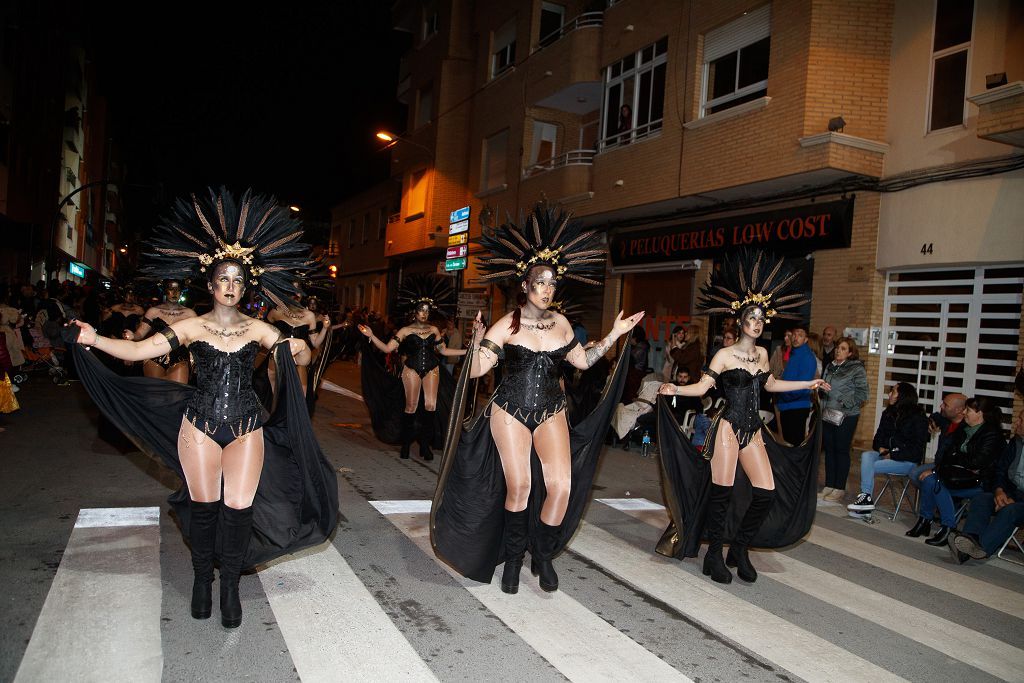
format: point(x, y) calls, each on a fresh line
point(687, 425)
point(1020, 548)
point(897, 502)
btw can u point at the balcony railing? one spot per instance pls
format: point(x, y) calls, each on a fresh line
point(631, 135)
point(585, 20)
point(574, 157)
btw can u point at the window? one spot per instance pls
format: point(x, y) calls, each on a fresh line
point(544, 138)
point(492, 167)
point(736, 62)
point(382, 222)
point(417, 194)
point(367, 225)
point(503, 48)
point(634, 95)
point(430, 20)
point(552, 17)
point(424, 105)
point(950, 50)
point(351, 233)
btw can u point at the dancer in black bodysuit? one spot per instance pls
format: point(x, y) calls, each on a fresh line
point(219, 442)
point(296, 322)
point(755, 288)
point(420, 342)
point(173, 365)
point(479, 519)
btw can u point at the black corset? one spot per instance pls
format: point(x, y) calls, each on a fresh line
point(419, 352)
point(224, 383)
point(742, 392)
point(296, 332)
point(531, 377)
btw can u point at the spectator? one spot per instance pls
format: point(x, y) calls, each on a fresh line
point(974, 448)
point(944, 423)
point(814, 344)
point(689, 354)
point(10, 320)
point(675, 341)
point(841, 413)
point(828, 345)
point(639, 348)
point(452, 339)
point(728, 337)
point(795, 406)
point(899, 443)
point(780, 356)
point(994, 516)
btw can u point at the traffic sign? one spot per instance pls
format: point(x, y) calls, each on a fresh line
point(456, 252)
point(456, 264)
point(455, 240)
point(459, 215)
point(456, 228)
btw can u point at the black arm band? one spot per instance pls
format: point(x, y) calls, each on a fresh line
point(711, 373)
point(493, 348)
point(171, 338)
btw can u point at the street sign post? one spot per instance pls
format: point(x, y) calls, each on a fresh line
point(456, 252)
point(455, 264)
point(460, 227)
point(459, 215)
point(455, 240)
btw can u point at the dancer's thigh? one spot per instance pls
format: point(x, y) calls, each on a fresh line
point(754, 461)
point(726, 454)
point(430, 383)
point(243, 464)
point(200, 458)
point(411, 382)
point(514, 443)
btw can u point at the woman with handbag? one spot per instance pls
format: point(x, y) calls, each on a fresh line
point(966, 469)
point(840, 415)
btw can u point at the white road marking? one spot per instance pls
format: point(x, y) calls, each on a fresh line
point(101, 618)
point(110, 517)
point(338, 389)
point(334, 627)
point(401, 507)
point(574, 640)
point(625, 504)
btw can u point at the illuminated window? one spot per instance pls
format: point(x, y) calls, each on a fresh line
point(417, 197)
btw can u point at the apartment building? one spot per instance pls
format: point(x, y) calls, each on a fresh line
point(683, 130)
point(358, 245)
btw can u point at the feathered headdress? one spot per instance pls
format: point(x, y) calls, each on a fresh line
point(753, 278)
point(548, 238)
point(257, 232)
point(434, 290)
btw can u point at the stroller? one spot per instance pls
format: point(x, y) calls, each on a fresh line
point(43, 356)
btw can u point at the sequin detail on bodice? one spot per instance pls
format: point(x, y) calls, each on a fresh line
point(419, 353)
point(224, 393)
point(294, 332)
point(742, 392)
point(530, 383)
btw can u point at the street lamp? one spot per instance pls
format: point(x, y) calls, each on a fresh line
point(295, 208)
point(392, 139)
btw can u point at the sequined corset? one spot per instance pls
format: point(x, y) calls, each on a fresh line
point(296, 332)
point(531, 379)
point(224, 386)
point(742, 401)
point(419, 352)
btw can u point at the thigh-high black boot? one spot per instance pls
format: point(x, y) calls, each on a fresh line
point(516, 536)
point(714, 529)
point(202, 536)
point(427, 435)
point(237, 531)
point(760, 504)
point(545, 543)
point(408, 434)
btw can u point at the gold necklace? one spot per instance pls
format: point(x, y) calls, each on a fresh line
point(227, 334)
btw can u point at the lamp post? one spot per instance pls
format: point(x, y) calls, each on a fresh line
point(392, 139)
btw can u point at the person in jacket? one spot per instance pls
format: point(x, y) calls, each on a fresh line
point(942, 424)
point(849, 390)
point(899, 444)
point(795, 406)
point(993, 516)
point(976, 445)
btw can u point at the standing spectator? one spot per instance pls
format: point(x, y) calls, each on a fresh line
point(975, 446)
point(899, 443)
point(10, 320)
point(814, 344)
point(452, 339)
point(675, 341)
point(828, 345)
point(639, 348)
point(841, 412)
point(690, 355)
point(994, 516)
point(795, 406)
point(944, 422)
point(728, 337)
point(780, 356)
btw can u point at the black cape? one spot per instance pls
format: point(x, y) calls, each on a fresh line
point(467, 516)
point(384, 395)
point(686, 484)
point(296, 503)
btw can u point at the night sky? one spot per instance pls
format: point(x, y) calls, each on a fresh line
point(285, 100)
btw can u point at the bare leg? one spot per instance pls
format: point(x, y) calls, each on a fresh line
point(243, 464)
point(411, 382)
point(153, 369)
point(430, 383)
point(754, 460)
point(200, 458)
point(726, 455)
point(551, 440)
point(303, 373)
point(178, 372)
point(514, 445)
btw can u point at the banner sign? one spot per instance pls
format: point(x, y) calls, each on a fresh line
point(800, 229)
point(76, 269)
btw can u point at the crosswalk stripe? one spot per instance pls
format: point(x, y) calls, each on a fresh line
point(101, 617)
point(399, 507)
point(334, 627)
point(574, 640)
point(759, 631)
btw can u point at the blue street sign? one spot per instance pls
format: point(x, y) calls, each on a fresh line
point(459, 215)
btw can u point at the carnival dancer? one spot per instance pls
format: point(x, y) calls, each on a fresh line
point(296, 321)
point(124, 316)
point(493, 496)
point(174, 364)
point(773, 501)
point(419, 342)
point(279, 492)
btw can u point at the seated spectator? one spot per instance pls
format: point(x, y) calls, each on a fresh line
point(993, 516)
point(944, 423)
point(899, 444)
point(975, 447)
point(626, 417)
